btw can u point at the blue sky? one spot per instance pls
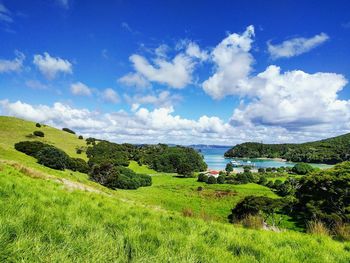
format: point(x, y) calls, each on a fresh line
point(218, 72)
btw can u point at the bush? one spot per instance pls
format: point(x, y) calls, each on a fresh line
point(30, 147)
point(302, 168)
point(80, 137)
point(118, 177)
point(187, 212)
point(212, 180)
point(38, 125)
point(39, 133)
point(79, 151)
point(68, 130)
point(342, 231)
point(261, 170)
point(53, 158)
point(202, 178)
point(78, 164)
point(221, 179)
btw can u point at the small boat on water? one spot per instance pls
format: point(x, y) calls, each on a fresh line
point(242, 163)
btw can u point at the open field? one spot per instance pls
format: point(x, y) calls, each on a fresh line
point(62, 216)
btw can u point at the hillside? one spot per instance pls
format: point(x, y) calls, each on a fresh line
point(329, 151)
point(62, 216)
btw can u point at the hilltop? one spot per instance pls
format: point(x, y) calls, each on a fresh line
point(329, 151)
point(52, 215)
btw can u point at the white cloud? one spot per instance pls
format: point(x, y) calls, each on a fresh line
point(14, 65)
point(134, 79)
point(295, 100)
point(175, 72)
point(110, 95)
point(163, 99)
point(233, 64)
point(145, 126)
point(51, 66)
point(5, 14)
point(295, 46)
point(79, 88)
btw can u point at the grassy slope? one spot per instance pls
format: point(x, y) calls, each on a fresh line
point(41, 220)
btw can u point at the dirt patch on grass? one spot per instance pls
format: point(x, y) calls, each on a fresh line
point(217, 193)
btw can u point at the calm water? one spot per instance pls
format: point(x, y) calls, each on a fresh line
point(214, 157)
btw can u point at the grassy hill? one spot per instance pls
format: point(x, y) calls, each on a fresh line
point(62, 216)
point(330, 151)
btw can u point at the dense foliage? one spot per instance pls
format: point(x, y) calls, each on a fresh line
point(39, 133)
point(38, 125)
point(302, 168)
point(68, 130)
point(330, 151)
point(118, 177)
point(50, 156)
point(53, 158)
point(30, 147)
point(178, 159)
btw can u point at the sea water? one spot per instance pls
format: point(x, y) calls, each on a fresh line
point(214, 157)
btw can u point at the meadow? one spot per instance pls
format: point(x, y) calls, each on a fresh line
point(62, 216)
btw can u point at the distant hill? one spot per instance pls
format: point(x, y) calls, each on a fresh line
point(329, 151)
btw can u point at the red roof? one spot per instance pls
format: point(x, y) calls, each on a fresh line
point(214, 172)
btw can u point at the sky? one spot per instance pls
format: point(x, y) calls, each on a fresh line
point(195, 72)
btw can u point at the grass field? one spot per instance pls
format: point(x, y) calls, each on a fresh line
point(61, 216)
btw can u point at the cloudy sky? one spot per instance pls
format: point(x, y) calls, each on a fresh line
point(211, 72)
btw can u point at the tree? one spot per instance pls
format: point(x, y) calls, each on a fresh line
point(38, 125)
point(212, 180)
point(80, 137)
point(229, 168)
point(68, 130)
point(78, 164)
point(39, 133)
point(53, 158)
point(261, 170)
point(302, 168)
point(30, 147)
point(221, 179)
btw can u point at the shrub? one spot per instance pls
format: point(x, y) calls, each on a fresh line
point(118, 177)
point(78, 164)
point(38, 125)
point(30, 147)
point(39, 133)
point(202, 178)
point(261, 170)
point(68, 130)
point(221, 179)
point(53, 158)
point(212, 180)
point(302, 168)
point(317, 227)
point(254, 222)
point(80, 137)
point(79, 151)
point(199, 188)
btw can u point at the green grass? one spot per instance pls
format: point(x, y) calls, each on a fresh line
point(173, 193)
point(141, 169)
point(52, 216)
point(41, 221)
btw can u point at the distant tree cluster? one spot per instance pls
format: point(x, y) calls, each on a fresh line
point(177, 159)
point(50, 156)
point(68, 130)
point(330, 151)
point(39, 133)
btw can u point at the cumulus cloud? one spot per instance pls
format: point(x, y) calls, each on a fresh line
point(233, 64)
point(295, 46)
point(134, 79)
point(79, 88)
point(110, 95)
point(149, 126)
point(294, 100)
point(163, 99)
point(14, 65)
point(175, 72)
point(51, 66)
point(5, 14)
